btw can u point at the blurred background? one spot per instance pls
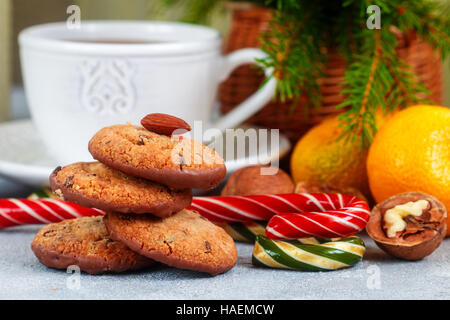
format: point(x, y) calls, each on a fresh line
point(16, 15)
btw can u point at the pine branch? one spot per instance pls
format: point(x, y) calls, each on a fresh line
point(380, 80)
point(359, 84)
point(301, 32)
point(295, 58)
point(373, 68)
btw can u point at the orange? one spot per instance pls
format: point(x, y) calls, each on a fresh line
point(411, 152)
point(320, 158)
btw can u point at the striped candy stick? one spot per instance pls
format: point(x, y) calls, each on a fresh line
point(14, 212)
point(240, 231)
point(291, 216)
point(346, 215)
point(333, 219)
point(309, 254)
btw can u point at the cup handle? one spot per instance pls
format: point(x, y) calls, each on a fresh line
point(253, 103)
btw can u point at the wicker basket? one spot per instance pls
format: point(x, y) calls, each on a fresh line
point(249, 21)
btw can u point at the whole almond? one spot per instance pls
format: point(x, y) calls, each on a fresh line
point(163, 123)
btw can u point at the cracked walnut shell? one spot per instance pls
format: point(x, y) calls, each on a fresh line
point(421, 235)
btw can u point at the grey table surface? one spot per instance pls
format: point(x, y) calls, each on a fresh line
point(378, 276)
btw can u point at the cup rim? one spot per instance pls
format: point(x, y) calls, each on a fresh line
point(48, 37)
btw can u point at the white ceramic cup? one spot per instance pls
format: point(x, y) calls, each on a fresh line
point(75, 87)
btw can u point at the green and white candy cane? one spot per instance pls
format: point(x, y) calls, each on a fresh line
point(244, 231)
point(308, 254)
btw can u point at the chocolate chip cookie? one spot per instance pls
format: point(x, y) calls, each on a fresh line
point(184, 240)
point(84, 242)
point(92, 184)
point(181, 163)
point(250, 181)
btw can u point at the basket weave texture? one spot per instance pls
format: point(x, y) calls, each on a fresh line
point(247, 24)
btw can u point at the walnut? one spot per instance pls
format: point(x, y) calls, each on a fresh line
point(407, 227)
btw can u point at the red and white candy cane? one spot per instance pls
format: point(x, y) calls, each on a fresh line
point(14, 212)
point(291, 216)
point(323, 216)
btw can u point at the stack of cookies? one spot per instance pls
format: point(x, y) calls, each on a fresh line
point(143, 180)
